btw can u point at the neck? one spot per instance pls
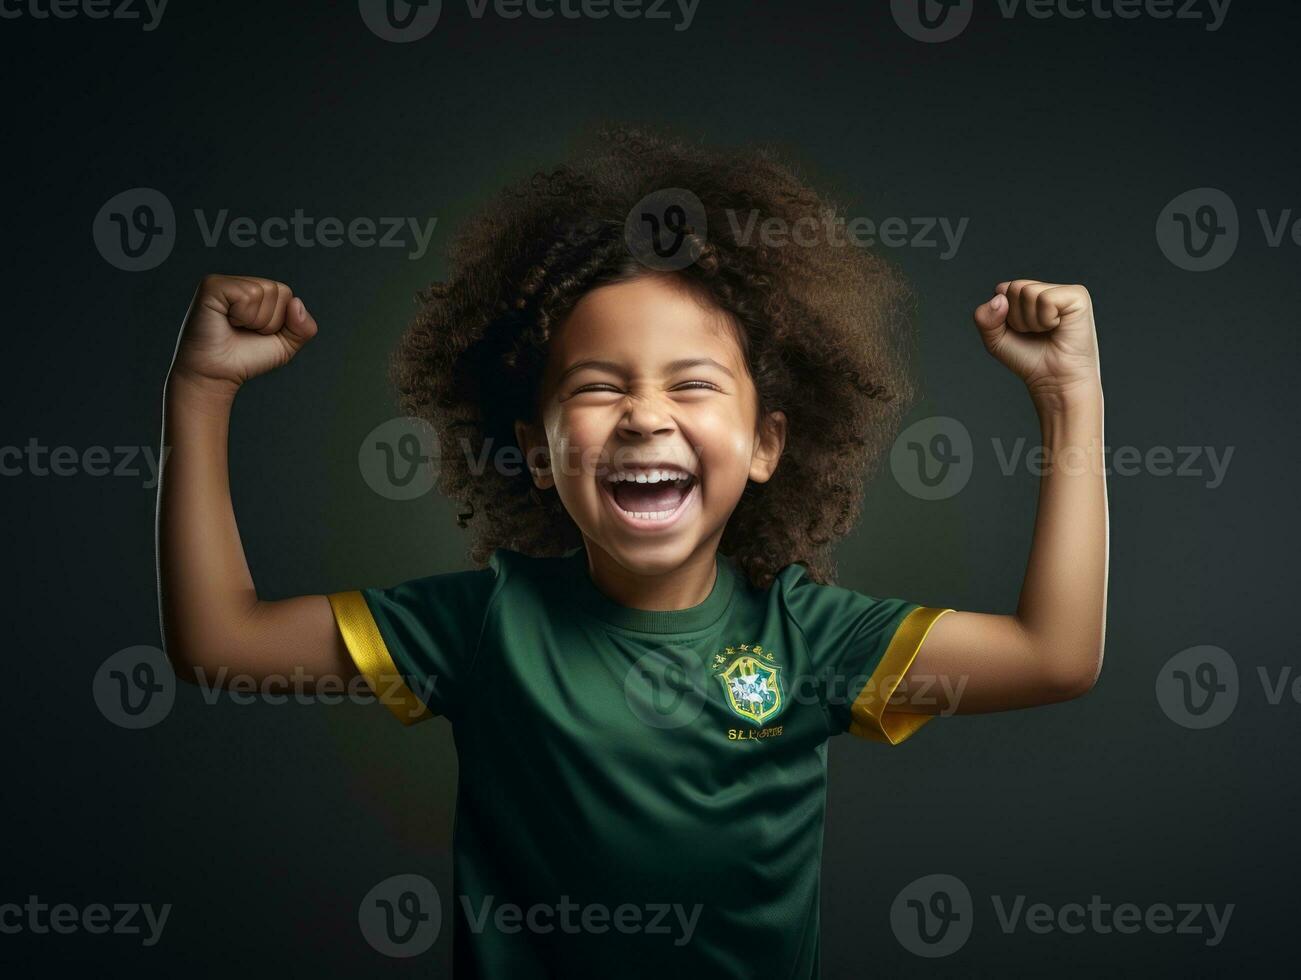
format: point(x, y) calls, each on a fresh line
point(682, 587)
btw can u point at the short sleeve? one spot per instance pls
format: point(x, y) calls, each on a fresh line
point(861, 647)
point(415, 643)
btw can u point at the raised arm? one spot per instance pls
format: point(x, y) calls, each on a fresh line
point(1051, 648)
point(212, 618)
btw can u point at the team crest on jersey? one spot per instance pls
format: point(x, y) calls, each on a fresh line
point(752, 682)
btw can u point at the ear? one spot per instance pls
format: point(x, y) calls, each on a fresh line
point(772, 440)
point(536, 454)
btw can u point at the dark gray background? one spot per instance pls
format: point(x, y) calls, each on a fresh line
point(1061, 140)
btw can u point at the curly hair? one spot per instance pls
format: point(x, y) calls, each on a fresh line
point(824, 329)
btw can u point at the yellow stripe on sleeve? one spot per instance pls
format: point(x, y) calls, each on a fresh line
point(871, 718)
point(366, 647)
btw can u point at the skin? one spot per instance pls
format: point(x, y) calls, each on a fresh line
point(640, 405)
point(1051, 648)
point(236, 329)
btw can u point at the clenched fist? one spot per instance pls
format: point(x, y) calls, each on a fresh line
point(239, 327)
point(1044, 333)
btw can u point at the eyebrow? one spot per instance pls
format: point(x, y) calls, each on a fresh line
point(673, 367)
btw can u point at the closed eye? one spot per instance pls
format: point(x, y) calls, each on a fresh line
point(698, 384)
point(601, 386)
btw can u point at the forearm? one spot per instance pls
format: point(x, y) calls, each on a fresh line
point(1062, 608)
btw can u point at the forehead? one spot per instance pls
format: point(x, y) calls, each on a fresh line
point(642, 325)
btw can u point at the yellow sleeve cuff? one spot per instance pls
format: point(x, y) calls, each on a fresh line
point(871, 717)
point(366, 646)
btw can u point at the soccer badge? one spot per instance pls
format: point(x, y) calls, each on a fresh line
point(752, 682)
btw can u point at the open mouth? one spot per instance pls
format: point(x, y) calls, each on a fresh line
point(650, 501)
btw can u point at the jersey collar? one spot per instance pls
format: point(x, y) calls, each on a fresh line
point(689, 620)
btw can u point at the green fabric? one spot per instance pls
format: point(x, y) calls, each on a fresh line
point(603, 763)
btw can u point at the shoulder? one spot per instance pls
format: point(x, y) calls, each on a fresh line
point(792, 585)
point(791, 593)
point(457, 599)
point(823, 607)
point(473, 587)
point(506, 563)
point(791, 576)
point(521, 577)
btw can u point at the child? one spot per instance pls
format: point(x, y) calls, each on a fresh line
point(642, 673)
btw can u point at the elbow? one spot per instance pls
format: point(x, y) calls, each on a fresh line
point(1075, 677)
point(184, 665)
point(192, 663)
point(1071, 687)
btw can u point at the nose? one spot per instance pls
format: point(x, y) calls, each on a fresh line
point(646, 416)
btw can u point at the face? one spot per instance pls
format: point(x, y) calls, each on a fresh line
point(649, 421)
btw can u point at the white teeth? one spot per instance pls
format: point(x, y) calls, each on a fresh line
point(648, 476)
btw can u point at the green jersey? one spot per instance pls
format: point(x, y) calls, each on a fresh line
point(641, 793)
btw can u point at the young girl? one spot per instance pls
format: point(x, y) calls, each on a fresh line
point(656, 458)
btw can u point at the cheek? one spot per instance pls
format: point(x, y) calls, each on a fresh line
point(725, 443)
point(576, 440)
